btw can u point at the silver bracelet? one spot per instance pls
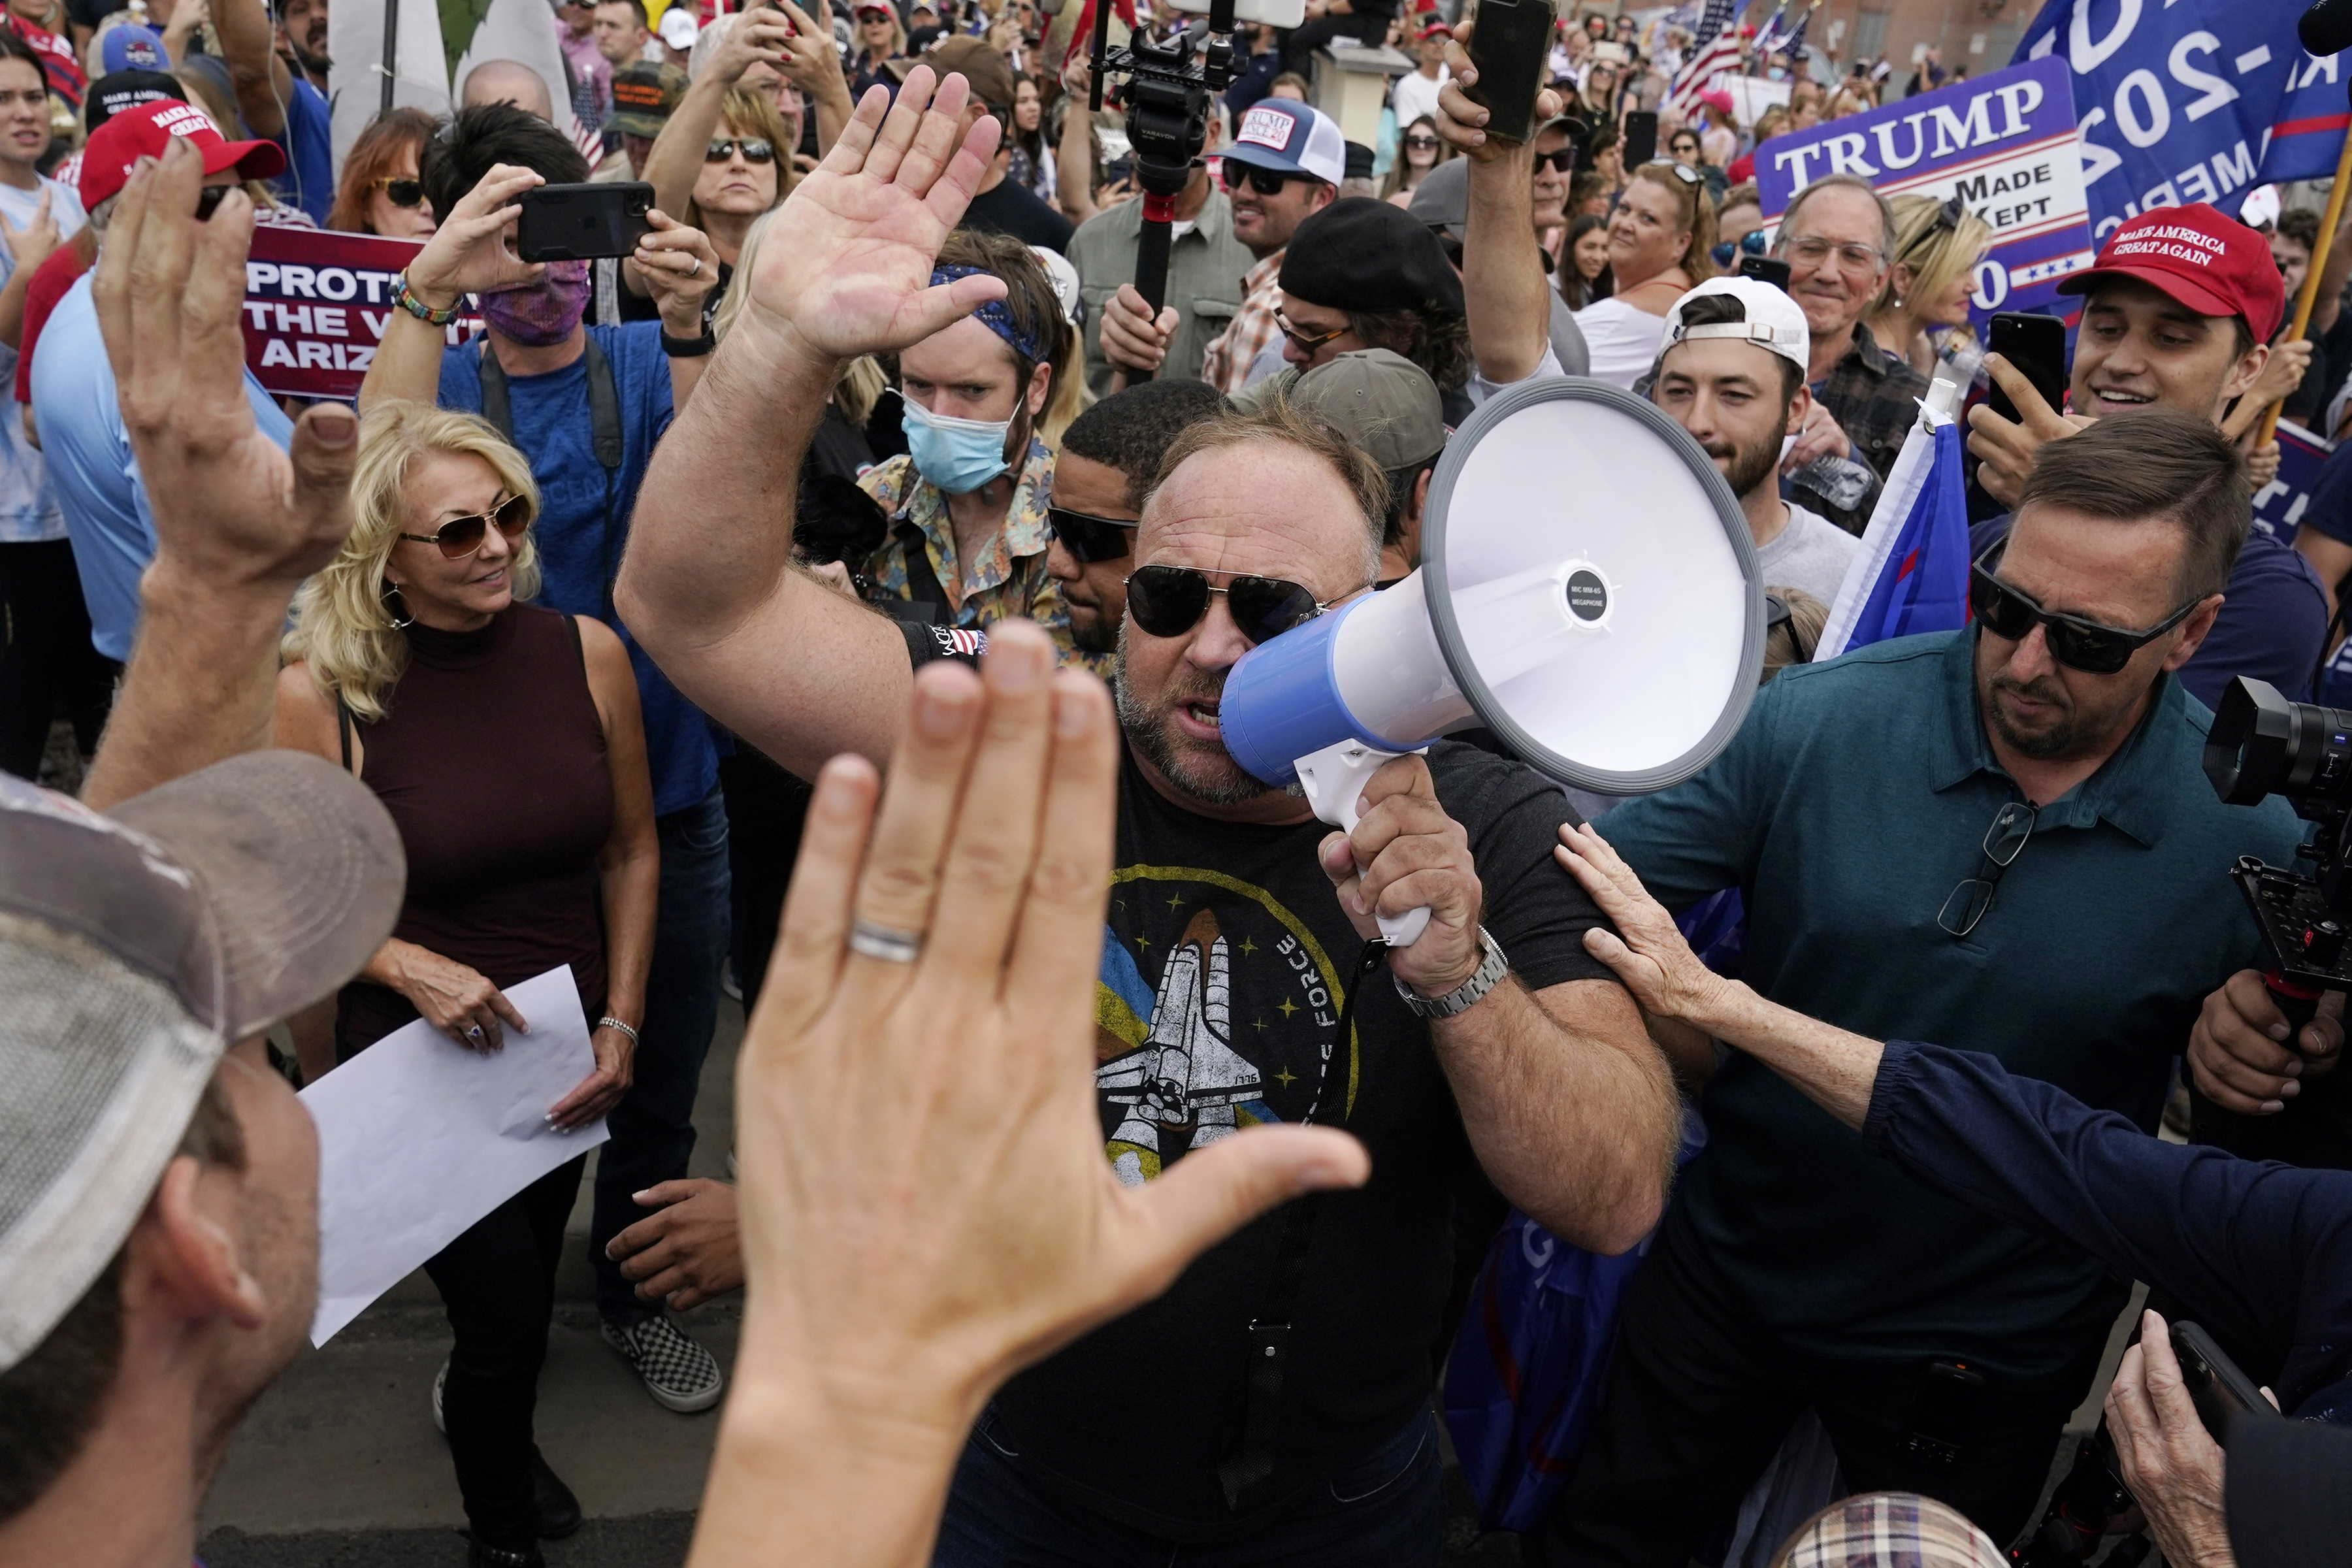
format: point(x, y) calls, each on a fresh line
point(616, 1023)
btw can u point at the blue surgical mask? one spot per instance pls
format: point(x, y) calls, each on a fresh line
point(958, 456)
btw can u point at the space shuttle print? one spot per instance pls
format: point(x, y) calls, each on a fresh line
point(1181, 1086)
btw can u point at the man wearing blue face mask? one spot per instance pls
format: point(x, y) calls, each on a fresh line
point(585, 406)
point(967, 502)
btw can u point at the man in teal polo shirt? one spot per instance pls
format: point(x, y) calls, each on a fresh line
point(1974, 838)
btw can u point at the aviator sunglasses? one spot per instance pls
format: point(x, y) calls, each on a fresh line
point(461, 536)
point(1169, 601)
point(2078, 644)
point(756, 150)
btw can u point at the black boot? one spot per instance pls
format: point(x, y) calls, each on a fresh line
point(478, 1554)
point(559, 1510)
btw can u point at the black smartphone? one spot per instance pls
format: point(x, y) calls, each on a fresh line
point(1641, 138)
point(1119, 171)
point(2216, 1386)
point(1510, 45)
point(1770, 268)
point(2036, 345)
point(574, 223)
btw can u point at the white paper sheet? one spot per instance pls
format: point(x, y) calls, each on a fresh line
point(418, 1138)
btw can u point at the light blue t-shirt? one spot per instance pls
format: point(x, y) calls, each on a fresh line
point(88, 454)
point(29, 509)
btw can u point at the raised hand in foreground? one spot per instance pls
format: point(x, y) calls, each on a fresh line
point(926, 1206)
point(240, 522)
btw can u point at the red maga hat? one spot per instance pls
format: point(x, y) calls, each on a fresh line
point(116, 147)
point(2214, 265)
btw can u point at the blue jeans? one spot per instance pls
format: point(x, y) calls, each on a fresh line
point(653, 1127)
point(1385, 1510)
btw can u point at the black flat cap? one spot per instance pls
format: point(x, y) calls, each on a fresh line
point(1362, 254)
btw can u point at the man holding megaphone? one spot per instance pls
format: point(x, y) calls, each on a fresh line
point(1279, 1392)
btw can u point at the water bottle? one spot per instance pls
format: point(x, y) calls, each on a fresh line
point(1840, 481)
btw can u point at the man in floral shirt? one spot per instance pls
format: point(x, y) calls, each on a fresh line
point(967, 527)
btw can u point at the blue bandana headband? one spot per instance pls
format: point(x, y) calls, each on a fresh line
point(994, 315)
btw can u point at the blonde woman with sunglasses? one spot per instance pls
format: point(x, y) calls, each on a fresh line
point(1937, 245)
point(505, 741)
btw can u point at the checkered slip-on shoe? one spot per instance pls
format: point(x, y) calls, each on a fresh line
point(678, 1372)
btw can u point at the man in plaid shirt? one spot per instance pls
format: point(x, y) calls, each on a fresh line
point(1838, 238)
point(1284, 165)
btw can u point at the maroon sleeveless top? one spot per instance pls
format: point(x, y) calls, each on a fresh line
point(491, 758)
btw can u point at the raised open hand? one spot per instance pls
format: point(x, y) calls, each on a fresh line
point(928, 1127)
point(868, 224)
point(472, 252)
point(231, 510)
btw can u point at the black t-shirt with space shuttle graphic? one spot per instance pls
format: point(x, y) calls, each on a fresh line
point(1225, 966)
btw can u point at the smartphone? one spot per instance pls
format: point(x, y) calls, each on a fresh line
point(574, 223)
point(2216, 1386)
point(1641, 138)
point(2036, 345)
point(1770, 268)
point(1510, 45)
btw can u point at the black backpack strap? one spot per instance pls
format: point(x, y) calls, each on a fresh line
point(1247, 1469)
point(604, 407)
point(343, 729)
point(922, 583)
point(496, 406)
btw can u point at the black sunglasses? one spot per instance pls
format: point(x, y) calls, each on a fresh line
point(2076, 643)
point(1422, 144)
point(756, 150)
point(461, 536)
point(401, 193)
point(1169, 601)
point(1947, 218)
point(1264, 182)
point(1090, 539)
point(2004, 841)
point(208, 201)
point(1561, 159)
point(1683, 172)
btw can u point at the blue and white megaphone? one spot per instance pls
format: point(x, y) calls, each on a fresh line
point(1588, 590)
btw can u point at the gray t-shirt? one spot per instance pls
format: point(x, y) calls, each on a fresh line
point(1811, 554)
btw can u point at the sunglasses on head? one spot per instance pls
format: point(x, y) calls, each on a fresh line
point(461, 536)
point(1169, 601)
point(756, 150)
point(2078, 644)
point(1947, 218)
point(1561, 159)
point(1264, 182)
point(1683, 172)
point(1088, 538)
point(400, 192)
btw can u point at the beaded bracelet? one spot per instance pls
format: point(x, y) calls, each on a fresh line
point(405, 297)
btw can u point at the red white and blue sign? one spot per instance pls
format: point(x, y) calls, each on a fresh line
point(2279, 506)
point(2004, 144)
point(2191, 100)
point(316, 306)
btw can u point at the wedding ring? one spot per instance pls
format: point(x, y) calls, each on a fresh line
point(695, 270)
point(882, 942)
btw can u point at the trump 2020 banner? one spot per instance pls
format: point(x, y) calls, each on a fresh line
point(2191, 100)
point(316, 305)
point(2004, 144)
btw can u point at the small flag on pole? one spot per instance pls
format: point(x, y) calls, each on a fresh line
point(1912, 575)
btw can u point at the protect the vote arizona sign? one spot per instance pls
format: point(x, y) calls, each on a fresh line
point(2004, 144)
point(316, 306)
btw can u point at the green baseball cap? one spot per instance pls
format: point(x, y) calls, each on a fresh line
point(644, 92)
point(1385, 405)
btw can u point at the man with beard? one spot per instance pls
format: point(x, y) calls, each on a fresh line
point(1278, 1394)
point(585, 406)
point(1733, 375)
point(277, 104)
point(1111, 457)
point(1999, 839)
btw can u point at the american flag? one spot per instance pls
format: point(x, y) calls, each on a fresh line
point(1715, 48)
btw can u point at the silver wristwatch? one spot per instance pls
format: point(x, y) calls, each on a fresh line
point(1464, 996)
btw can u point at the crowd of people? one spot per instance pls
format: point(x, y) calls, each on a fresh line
point(830, 604)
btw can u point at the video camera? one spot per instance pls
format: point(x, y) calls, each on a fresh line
point(1167, 97)
point(2261, 744)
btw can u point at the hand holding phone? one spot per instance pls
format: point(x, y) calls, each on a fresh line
point(2036, 345)
point(1509, 45)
